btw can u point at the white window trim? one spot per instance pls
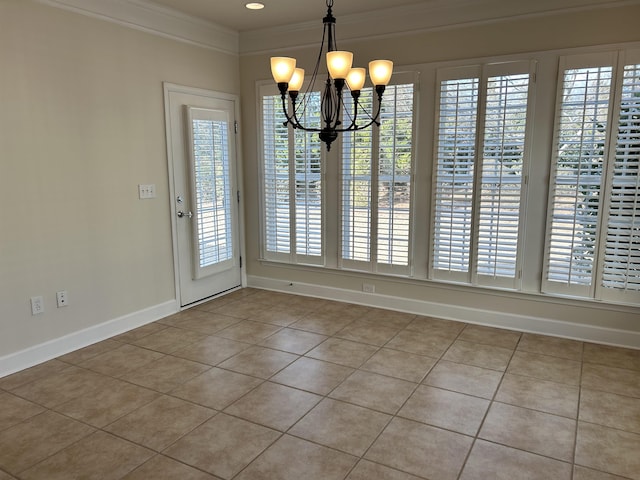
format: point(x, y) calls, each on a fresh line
point(539, 178)
point(269, 89)
point(482, 72)
point(372, 265)
point(616, 59)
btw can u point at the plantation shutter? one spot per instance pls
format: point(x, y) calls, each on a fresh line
point(376, 174)
point(292, 183)
point(276, 183)
point(357, 191)
point(395, 164)
point(308, 183)
point(502, 178)
point(480, 157)
point(457, 119)
point(582, 125)
point(621, 243)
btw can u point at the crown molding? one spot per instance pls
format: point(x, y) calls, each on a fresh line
point(150, 18)
point(426, 16)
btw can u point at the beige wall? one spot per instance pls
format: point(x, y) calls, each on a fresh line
point(418, 51)
point(81, 125)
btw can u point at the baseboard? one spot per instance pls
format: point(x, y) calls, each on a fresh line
point(522, 323)
point(31, 356)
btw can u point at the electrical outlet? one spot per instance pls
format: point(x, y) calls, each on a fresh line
point(62, 298)
point(368, 288)
point(37, 305)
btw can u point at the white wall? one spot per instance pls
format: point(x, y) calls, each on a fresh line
point(523, 37)
point(81, 125)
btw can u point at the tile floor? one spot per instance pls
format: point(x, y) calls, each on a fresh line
point(262, 385)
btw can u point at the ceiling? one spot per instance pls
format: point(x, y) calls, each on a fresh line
point(227, 26)
point(233, 14)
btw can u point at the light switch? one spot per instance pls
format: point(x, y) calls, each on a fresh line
point(146, 191)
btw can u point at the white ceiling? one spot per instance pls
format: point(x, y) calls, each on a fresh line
point(234, 15)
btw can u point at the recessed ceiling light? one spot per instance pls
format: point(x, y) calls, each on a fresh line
point(255, 6)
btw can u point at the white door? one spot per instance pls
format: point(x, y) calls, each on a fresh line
point(201, 144)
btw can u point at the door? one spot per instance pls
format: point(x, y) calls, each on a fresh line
point(203, 170)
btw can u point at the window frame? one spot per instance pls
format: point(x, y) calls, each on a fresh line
point(268, 89)
point(372, 265)
point(616, 60)
point(482, 72)
point(535, 191)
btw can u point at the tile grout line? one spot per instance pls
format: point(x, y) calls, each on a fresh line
point(327, 397)
point(395, 415)
point(492, 401)
point(575, 438)
point(486, 413)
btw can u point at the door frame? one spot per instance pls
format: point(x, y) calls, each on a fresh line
point(174, 88)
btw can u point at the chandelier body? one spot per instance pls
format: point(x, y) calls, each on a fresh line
point(340, 74)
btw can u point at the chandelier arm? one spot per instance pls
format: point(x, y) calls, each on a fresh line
point(380, 91)
point(355, 128)
point(375, 119)
point(296, 124)
point(293, 119)
point(328, 109)
point(283, 96)
point(371, 117)
point(339, 86)
point(352, 126)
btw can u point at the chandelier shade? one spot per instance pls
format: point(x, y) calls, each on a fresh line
point(339, 63)
point(340, 73)
point(297, 79)
point(356, 78)
point(282, 68)
point(380, 71)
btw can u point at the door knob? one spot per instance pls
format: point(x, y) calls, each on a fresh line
point(183, 214)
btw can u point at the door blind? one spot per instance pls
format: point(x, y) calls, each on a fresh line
point(212, 191)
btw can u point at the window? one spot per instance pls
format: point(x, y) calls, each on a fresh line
point(209, 158)
point(593, 243)
point(480, 160)
point(292, 184)
point(563, 181)
point(377, 167)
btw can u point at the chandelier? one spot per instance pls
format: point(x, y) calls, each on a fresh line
point(340, 72)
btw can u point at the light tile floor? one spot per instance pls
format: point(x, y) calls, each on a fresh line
point(263, 385)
